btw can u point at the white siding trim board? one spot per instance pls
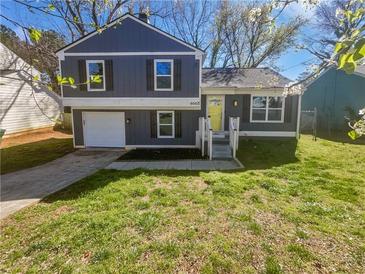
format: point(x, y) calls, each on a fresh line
point(234, 91)
point(134, 102)
point(267, 133)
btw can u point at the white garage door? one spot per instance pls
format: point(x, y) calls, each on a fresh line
point(104, 129)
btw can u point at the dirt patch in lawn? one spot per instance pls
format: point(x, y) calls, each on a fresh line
point(33, 136)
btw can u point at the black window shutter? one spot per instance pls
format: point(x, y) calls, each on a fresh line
point(153, 123)
point(82, 74)
point(109, 74)
point(150, 74)
point(246, 104)
point(288, 109)
point(177, 124)
point(177, 74)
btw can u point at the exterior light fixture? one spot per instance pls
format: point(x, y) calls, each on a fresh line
point(235, 103)
point(128, 121)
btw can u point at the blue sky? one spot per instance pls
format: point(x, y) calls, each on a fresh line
point(290, 64)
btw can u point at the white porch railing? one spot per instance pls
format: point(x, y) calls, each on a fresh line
point(234, 130)
point(206, 135)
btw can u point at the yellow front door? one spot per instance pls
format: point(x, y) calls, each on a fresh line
point(215, 111)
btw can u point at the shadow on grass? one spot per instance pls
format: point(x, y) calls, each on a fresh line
point(340, 137)
point(105, 177)
point(28, 155)
point(266, 153)
point(254, 154)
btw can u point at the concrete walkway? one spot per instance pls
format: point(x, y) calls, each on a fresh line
point(178, 165)
point(22, 188)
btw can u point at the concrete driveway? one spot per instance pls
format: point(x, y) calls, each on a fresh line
point(22, 188)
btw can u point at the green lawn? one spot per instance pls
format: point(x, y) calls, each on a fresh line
point(33, 154)
point(296, 208)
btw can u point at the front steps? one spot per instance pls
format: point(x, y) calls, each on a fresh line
point(221, 148)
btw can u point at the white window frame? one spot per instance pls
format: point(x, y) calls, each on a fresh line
point(159, 124)
point(88, 75)
point(171, 61)
point(267, 109)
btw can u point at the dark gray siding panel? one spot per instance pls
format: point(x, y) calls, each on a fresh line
point(138, 131)
point(78, 129)
point(129, 77)
point(129, 36)
point(237, 112)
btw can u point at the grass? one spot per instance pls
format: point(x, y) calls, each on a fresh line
point(23, 156)
point(298, 207)
point(164, 154)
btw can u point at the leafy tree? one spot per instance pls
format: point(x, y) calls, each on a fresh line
point(39, 54)
point(8, 37)
point(251, 36)
point(191, 21)
point(342, 43)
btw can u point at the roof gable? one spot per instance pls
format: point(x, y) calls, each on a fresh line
point(129, 34)
point(12, 62)
point(329, 72)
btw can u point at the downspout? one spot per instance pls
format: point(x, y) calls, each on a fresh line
point(298, 116)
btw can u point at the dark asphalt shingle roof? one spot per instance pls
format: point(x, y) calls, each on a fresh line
point(243, 78)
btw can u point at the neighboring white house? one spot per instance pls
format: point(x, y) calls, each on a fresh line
point(23, 105)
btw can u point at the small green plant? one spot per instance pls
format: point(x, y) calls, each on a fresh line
point(255, 198)
point(255, 228)
point(272, 266)
point(301, 234)
point(300, 251)
point(148, 221)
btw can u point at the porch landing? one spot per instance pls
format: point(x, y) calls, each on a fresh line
point(178, 165)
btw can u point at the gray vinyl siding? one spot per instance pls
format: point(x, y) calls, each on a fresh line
point(129, 36)
point(129, 77)
point(231, 111)
point(138, 131)
point(237, 112)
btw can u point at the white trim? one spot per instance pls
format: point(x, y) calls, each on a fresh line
point(131, 53)
point(171, 75)
point(223, 108)
point(159, 146)
point(233, 91)
point(79, 146)
point(133, 102)
point(88, 74)
point(62, 51)
point(359, 73)
point(158, 125)
point(267, 109)
point(268, 133)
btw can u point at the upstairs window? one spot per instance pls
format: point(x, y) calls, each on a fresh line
point(93, 68)
point(165, 124)
point(163, 71)
point(268, 109)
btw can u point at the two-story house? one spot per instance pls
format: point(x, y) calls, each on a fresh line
point(153, 91)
